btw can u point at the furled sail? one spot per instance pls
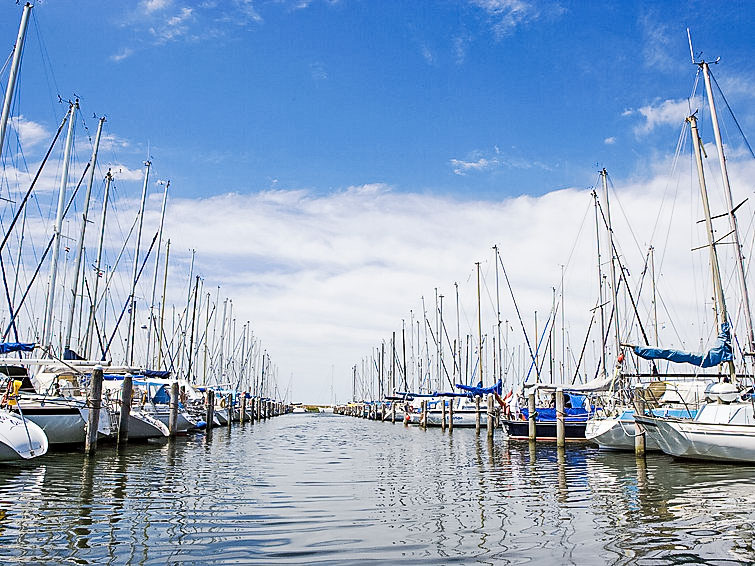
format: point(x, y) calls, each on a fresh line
point(8, 347)
point(719, 354)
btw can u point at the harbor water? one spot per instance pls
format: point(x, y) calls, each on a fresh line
point(327, 489)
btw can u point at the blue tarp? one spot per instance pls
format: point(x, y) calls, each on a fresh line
point(720, 353)
point(8, 347)
point(158, 374)
point(549, 414)
point(480, 390)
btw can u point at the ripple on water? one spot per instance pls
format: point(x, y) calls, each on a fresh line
point(319, 489)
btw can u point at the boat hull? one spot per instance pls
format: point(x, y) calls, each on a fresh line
point(20, 439)
point(546, 430)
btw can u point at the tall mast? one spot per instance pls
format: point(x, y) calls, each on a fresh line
point(498, 315)
point(655, 305)
point(97, 268)
point(715, 270)
point(191, 339)
point(222, 340)
point(614, 289)
point(730, 210)
point(80, 248)
point(151, 321)
point(457, 351)
point(600, 288)
point(403, 348)
point(18, 48)
point(132, 296)
point(160, 332)
point(47, 331)
point(479, 320)
point(440, 344)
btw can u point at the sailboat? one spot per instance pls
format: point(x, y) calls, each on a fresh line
point(724, 427)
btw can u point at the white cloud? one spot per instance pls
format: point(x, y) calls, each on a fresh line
point(610, 140)
point(663, 113)
point(477, 161)
point(29, 133)
point(122, 173)
point(482, 164)
point(656, 44)
point(151, 6)
point(122, 54)
point(507, 15)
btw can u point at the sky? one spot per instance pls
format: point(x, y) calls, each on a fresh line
point(333, 161)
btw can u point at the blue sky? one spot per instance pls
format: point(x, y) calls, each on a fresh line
point(333, 161)
point(322, 95)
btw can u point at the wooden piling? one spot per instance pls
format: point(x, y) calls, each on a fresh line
point(639, 434)
point(210, 416)
point(229, 406)
point(242, 414)
point(443, 414)
point(393, 412)
point(423, 418)
point(531, 415)
point(382, 412)
point(126, 393)
point(173, 416)
point(560, 421)
point(491, 417)
point(477, 414)
point(451, 415)
point(93, 418)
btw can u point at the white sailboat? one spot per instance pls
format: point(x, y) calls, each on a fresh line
point(724, 427)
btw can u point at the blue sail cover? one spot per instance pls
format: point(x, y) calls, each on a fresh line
point(720, 353)
point(8, 347)
point(480, 390)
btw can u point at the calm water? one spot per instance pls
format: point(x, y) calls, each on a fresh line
point(323, 489)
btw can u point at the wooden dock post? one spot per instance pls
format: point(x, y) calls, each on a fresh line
point(423, 418)
point(560, 421)
point(127, 391)
point(477, 414)
point(639, 434)
point(451, 415)
point(491, 416)
point(382, 411)
point(393, 412)
point(443, 414)
point(242, 415)
point(173, 416)
point(210, 416)
point(93, 418)
point(229, 406)
point(531, 416)
point(258, 408)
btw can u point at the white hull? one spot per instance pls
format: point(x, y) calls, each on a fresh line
point(162, 414)
point(616, 433)
point(142, 426)
point(222, 416)
point(20, 440)
point(63, 420)
point(462, 418)
point(719, 432)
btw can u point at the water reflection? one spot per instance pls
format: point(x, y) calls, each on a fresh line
point(336, 490)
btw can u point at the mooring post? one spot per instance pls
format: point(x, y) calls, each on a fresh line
point(393, 412)
point(93, 418)
point(560, 421)
point(242, 415)
point(126, 393)
point(173, 416)
point(443, 414)
point(491, 416)
point(477, 414)
point(639, 435)
point(531, 416)
point(424, 413)
point(229, 404)
point(451, 415)
point(210, 416)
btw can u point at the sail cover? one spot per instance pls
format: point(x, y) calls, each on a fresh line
point(720, 353)
point(480, 390)
point(8, 347)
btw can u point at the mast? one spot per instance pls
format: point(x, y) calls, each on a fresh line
point(97, 268)
point(498, 314)
point(600, 289)
point(715, 270)
point(222, 340)
point(730, 210)
point(47, 331)
point(614, 289)
point(18, 48)
point(157, 269)
point(131, 313)
point(403, 348)
point(440, 344)
point(479, 320)
point(162, 307)
point(655, 306)
point(80, 248)
point(191, 339)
